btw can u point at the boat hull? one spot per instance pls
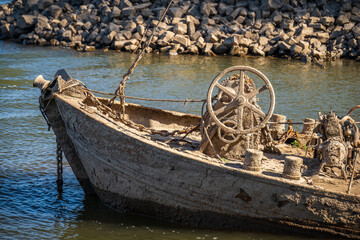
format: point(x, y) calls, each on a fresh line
point(140, 175)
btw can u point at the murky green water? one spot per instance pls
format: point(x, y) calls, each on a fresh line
point(29, 205)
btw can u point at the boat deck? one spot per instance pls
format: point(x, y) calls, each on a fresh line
point(168, 121)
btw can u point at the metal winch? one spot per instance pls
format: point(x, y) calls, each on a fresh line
point(234, 120)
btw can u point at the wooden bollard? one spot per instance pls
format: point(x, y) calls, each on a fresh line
point(253, 159)
point(292, 167)
point(277, 129)
point(309, 125)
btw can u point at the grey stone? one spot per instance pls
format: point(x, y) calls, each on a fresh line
point(235, 51)
point(245, 42)
point(125, 4)
point(45, 4)
point(181, 39)
point(108, 38)
point(43, 23)
point(54, 42)
point(31, 5)
point(194, 11)
point(291, 41)
point(212, 38)
point(343, 18)
point(87, 26)
point(348, 27)
point(200, 43)
point(128, 12)
point(267, 27)
point(263, 41)
point(258, 52)
point(207, 21)
point(332, 8)
point(207, 50)
point(327, 21)
point(26, 21)
point(130, 48)
point(270, 5)
point(240, 19)
point(115, 12)
point(196, 36)
point(143, 6)
point(176, 12)
point(336, 32)
point(356, 31)
point(127, 34)
point(191, 29)
point(230, 41)
point(284, 46)
point(192, 49)
point(353, 43)
point(162, 43)
point(141, 29)
point(63, 23)
point(306, 32)
point(88, 48)
point(315, 43)
point(192, 19)
point(219, 48)
point(66, 36)
point(318, 26)
point(55, 11)
point(316, 13)
point(323, 37)
point(222, 8)
point(180, 28)
point(167, 36)
point(243, 12)
point(234, 14)
point(130, 25)
point(277, 19)
point(295, 49)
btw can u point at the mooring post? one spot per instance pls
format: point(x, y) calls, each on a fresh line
point(292, 167)
point(277, 130)
point(309, 125)
point(253, 159)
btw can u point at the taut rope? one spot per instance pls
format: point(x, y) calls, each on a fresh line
point(120, 90)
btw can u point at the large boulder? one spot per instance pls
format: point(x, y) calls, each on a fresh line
point(26, 21)
point(66, 35)
point(270, 5)
point(31, 5)
point(181, 39)
point(45, 4)
point(176, 12)
point(115, 13)
point(180, 28)
point(343, 18)
point(55, 11)
point(356, 31)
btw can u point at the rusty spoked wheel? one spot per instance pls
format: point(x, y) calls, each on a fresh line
point(240, 100)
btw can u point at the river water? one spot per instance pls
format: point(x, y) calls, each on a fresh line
point(29, 204)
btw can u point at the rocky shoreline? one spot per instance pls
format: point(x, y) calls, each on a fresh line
point(304, 30)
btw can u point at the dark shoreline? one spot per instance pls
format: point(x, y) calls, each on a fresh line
point(303, 30)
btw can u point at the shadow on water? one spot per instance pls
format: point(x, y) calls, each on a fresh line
point(96, 221)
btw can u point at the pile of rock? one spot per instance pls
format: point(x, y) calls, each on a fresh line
point(284, 28)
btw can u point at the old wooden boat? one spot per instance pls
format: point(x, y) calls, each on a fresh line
point(140, 162)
